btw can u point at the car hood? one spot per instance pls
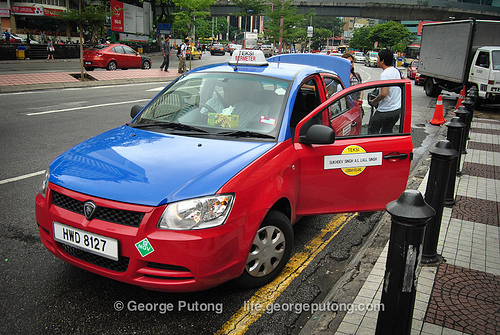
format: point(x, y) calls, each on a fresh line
point(147, 168)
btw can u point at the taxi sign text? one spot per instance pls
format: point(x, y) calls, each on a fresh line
point(246, 56)
point(353, 160)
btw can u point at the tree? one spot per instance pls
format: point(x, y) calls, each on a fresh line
point(185, 20)
point(390, 35)
point(283, 11)
point(250, 7)
point(360, 39)
point(165, 15)
point(205, 27)
point(92, 17)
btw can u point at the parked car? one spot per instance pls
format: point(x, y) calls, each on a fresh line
point(359, 57)
point(411, 70)
point(233, 47)
point(419, 79)
point(114, 56)
point(217, 49)
point(205, 183)
point(193, 53)
point(371, 58)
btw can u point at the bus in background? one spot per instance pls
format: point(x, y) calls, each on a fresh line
point(248, 40)
point(412, 53)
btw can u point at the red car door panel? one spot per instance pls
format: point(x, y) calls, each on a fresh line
point(359, 171)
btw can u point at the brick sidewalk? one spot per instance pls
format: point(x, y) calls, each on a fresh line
point(51, 80)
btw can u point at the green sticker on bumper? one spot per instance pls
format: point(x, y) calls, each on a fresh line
point(144, 247)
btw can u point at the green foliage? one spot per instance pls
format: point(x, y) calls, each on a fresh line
point(190, 11)
point(390, 35)
point(360, 39)
point(219, 25)
point(292, 21)
point(92, 17)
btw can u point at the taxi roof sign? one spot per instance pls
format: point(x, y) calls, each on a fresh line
point(248, 57)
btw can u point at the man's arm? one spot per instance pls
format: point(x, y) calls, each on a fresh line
point(383, 93)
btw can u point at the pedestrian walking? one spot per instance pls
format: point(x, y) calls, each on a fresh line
point(50, 49)
point(182, 56)
point(165, 50)
point(7, 36)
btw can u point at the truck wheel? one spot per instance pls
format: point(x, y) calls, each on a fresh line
point(431, 89)
point(270, 251)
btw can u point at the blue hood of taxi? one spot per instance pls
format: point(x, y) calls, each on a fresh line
point(147, 168)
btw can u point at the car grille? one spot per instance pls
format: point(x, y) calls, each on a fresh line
point(127, 218)
point(121, 265)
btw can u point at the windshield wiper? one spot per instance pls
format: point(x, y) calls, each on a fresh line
point(241, 133)
point(172, 125)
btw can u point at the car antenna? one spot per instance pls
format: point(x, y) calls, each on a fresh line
point(237, 60)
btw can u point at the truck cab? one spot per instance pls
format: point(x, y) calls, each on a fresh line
point(485, 72)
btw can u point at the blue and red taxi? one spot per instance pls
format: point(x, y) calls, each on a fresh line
point(205, 183)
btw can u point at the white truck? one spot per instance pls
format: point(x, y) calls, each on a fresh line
point(250, 41)
point(461, 53)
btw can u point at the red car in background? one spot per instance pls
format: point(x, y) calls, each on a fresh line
point(114, 56)
point(411, 71)
point(419, 79)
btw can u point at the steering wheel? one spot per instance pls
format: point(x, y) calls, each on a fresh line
point(210, 108)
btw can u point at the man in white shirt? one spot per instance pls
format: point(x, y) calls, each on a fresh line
point(388, 101)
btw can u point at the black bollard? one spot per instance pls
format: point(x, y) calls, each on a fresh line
point(410, 214)
point(463, 114)
point(473, 94)
point(469, 105)
point(437, 184)
point(455, 130)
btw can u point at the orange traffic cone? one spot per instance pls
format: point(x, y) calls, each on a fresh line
point(438, 118)
point(461, 98)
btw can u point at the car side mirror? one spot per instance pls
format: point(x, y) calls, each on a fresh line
point(318, 134)
point(135, 110)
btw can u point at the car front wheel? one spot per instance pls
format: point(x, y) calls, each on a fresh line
point(270, 251)
point(146, 65)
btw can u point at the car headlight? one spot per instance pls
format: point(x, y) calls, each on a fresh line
point(45, 181)
point(198, 213)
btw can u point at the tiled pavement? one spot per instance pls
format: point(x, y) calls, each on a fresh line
point(46, 80)
point(462, 294)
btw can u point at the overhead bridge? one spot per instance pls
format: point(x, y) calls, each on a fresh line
point(397, 10)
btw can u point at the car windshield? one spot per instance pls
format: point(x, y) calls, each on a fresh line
point(496, 60)
point(219, 104)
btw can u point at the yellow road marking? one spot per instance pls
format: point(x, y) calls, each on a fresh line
point(265, 296)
